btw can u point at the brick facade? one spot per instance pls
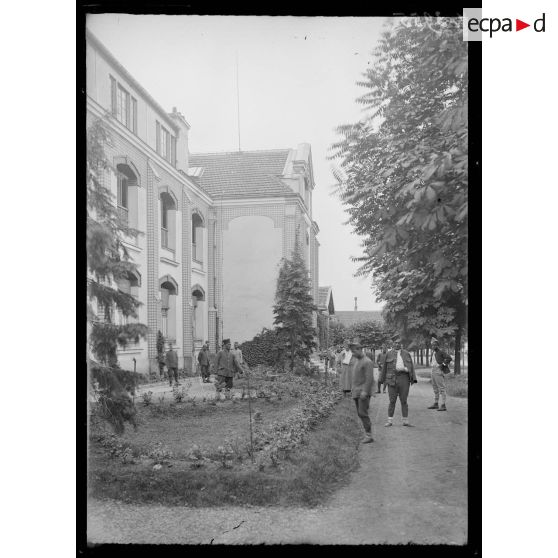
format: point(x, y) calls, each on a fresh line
point(155, 175)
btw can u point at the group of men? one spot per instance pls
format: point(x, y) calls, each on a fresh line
point(396, 372)
point(170, 359)
point(227, 362)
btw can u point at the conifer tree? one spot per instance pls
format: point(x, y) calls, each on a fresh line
point(293, 309)
point(107, 262)
point(108, 259)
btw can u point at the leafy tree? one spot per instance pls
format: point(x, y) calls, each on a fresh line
point(264, 348)
point(403, 176)
point(107, 262)
point(293, 309)
point(372, 334)
point(337, 333)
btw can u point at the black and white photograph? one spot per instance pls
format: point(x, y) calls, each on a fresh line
point(277, 258)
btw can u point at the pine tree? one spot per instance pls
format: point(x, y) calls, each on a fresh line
point(107, 257)
point(293, 308)
point(107, 262)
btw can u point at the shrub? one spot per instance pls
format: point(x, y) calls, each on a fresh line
point(147, 397)
point(179, 394)
point(264, 349)
point(111, 389)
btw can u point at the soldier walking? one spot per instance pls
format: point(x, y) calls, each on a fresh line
point(203, 359)
point(362, 382)
point(172, 365)
point(226, 365)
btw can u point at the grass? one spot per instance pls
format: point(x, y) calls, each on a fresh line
point(307, 477)
point(179, 426)
point(457, 386)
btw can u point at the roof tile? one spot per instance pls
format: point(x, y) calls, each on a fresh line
point(242, 173)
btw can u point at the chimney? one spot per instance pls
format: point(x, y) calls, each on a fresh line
point(356, 304)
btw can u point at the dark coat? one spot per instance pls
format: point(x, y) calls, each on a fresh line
point(227, 363)
point(203, 358)
point(442, 359)
point(362, 376)
point(387, 374)
point(172, 359)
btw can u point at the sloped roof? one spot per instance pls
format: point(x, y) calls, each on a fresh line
point(242, 173)
point(350, 317)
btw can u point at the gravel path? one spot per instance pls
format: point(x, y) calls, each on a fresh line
point(411, 486)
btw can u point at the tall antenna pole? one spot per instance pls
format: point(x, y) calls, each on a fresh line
point(237, 101)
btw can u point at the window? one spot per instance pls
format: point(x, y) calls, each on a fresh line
point(169, 291)
point(165, 143)
point(122, 196)
point(126, 194)
point(197, 237)
point(198, 322)
point(123, 106)
point(168, 223)
point(128, 285)
point(134, 116)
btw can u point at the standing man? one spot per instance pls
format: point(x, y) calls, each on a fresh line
point(346, 362)
point(380, 361)
point(362, 381)
point(203, 359)
point(226, 365)
point(172, 365)
point(440, 369)
point(398, 372)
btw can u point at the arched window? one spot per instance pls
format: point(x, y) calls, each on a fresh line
point(198, 325)
point(128, 284)
point(168, 221)
point(126, 194)
point(169, 290)
point(197, 237)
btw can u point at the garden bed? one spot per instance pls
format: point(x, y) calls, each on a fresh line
point(305, 442)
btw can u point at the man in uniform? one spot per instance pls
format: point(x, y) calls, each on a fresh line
point(203, 359)
point(440, 368)
point(172, 365)
point(380, 361)
point(398, 372)
point(225, 366)
point(362, 381)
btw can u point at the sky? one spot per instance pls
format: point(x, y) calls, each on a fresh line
point(297, 82)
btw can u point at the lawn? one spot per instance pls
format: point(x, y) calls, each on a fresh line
point(199, 455)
